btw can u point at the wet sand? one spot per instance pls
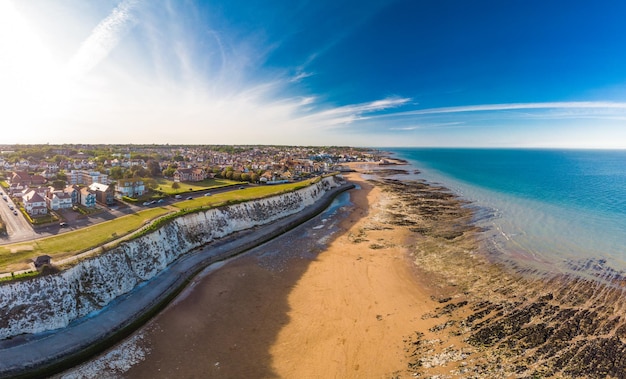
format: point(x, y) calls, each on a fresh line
point(393, 286)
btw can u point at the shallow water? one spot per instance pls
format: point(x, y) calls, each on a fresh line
point(548, 208)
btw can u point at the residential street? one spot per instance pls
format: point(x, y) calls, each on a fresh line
point(18, 228)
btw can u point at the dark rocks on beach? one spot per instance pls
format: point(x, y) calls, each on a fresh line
point(519, 325)
point(574, 341)
point(427, 210)
point(389, 172)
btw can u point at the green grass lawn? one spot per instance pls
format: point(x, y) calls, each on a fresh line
point(74, 242)
point(245, 194)
point(165, 185)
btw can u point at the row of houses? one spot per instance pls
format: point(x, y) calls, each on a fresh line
point(38, 199)
point(198, 174)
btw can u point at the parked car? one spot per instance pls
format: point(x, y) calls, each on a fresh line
point(160, 201)
point(178, 197)
point(15, 212)
point(207, 194)
point(63, 224)
point(189, 197)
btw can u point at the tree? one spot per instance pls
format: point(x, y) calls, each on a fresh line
point(150, 183)
point(116, 173)
point(139, 172)
point(154, 168)
point(58, 184)
point(175, 185)
point(169, 171)
point(62, 176)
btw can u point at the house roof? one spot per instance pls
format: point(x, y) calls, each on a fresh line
point(38, 179)
point(32, 197)
point(99, 187)
point(62, 195)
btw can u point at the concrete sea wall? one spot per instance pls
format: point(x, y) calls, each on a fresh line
point(54, 301)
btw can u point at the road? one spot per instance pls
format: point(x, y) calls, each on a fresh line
point(18, 228)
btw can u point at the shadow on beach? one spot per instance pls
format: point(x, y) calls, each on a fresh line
point(225, 323)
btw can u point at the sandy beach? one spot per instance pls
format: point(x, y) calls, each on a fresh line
point(300, 306)
point(392, 285)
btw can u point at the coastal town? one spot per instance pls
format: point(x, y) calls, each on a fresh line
point(45, 184)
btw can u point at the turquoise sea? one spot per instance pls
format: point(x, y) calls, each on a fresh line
point(556, 210)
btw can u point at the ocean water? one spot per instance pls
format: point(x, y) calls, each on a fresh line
point(550, 208)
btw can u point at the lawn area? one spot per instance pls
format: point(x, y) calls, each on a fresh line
point(245, 194)
point(12, 257)
point(165, 185)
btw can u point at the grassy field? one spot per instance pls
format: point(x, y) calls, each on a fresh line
point(239, 195)
point(16, 256)
point(165, 185)
point(13, 257)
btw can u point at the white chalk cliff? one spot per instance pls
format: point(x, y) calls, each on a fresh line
point(53, 301)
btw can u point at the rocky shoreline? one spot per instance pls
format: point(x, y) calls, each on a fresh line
point(495, 320)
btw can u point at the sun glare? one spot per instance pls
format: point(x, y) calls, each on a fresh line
point(33, 85)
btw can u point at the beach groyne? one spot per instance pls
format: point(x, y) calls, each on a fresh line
point(56, 301)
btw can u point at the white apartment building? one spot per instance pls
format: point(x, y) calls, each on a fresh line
point(86, 177)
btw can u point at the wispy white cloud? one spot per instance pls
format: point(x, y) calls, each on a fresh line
point(518, 106)
point(300, 75)
point(348, 114)
point(103, 39)
point(426, 126)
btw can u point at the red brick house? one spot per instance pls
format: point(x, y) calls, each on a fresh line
point(190, 175)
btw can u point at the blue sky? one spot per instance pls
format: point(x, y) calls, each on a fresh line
point(363, 73)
